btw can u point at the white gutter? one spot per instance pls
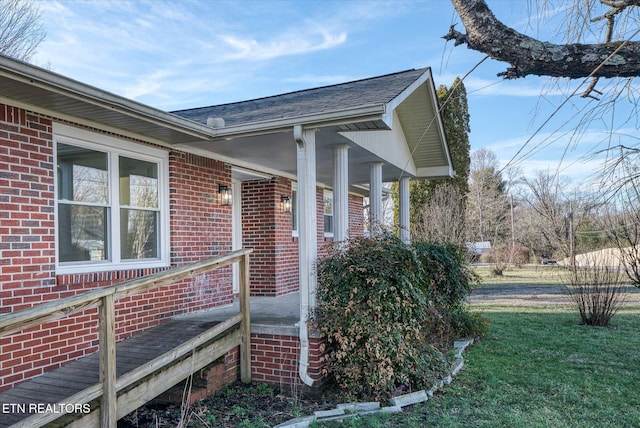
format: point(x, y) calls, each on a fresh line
point(307, 241)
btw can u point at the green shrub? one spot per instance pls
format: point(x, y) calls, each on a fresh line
point(449, 277)
point(448, 282)
point(467, 324)
point(371, 307)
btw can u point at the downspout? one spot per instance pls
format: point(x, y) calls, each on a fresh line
point(306, 171)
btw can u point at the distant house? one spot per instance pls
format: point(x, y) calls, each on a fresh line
point(96, 189)
point(477, 249)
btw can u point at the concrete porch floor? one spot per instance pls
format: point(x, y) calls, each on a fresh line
point(278, 315)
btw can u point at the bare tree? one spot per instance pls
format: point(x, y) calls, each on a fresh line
point(487, 206)
point(622, 222)
point(442, 217)
point(596, 289)
point(21, 28)
point(550, 210)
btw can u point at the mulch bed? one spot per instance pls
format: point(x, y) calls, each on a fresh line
point(238, 405)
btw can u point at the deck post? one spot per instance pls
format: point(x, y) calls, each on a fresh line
point(245, 326)
point(107, 343)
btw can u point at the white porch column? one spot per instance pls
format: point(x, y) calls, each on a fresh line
point(375, 196)
point(307, 237)
point(340, 192)
point(403, 201)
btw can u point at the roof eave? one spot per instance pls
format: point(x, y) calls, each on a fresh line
point(82, 93)
point(359, 114)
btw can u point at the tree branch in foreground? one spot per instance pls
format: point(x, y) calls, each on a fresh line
point(529, 56)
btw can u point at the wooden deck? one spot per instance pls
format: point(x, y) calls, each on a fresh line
point(58, 385)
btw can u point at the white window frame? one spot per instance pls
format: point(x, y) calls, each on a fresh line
point(294, 210)
point(114, 148)
point(327, 194)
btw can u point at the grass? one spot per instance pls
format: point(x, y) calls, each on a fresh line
point(537, 367)
point(526, 275)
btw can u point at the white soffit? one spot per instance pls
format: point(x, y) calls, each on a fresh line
point(390, 146)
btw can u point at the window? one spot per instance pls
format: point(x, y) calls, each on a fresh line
point(328, 212)
point(111, 208)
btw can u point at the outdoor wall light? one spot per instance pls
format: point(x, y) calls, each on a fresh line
point(225, 195)
point(285, 204)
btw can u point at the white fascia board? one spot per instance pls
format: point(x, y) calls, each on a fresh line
point(427, 79)
point(315, 120)
point(53, 82)
point(390, 146)
point(394, 103)
point(56, 115)
point(436, 171)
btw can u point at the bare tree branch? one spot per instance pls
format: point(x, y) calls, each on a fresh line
point(21, 29)
point(529, 56)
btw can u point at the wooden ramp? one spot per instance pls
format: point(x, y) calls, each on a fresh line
point(133, 353)
point(98, 389)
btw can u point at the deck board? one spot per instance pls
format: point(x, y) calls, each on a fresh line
point(57, 385)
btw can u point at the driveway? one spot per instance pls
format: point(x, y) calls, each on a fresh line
point(532, 295)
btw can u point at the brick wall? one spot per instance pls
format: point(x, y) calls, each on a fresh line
point(275, 360)
point(267, 230)
point(356, 216)
point(26, 209)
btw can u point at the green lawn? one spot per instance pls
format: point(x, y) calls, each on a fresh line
point(527, 275)
point(538, 367)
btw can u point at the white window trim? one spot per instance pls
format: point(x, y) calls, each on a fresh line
point(327, 194)
point(294, 210)
point(79, 137)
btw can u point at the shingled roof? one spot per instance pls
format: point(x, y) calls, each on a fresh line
point(372, 91)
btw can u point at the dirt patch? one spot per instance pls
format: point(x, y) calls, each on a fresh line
point(238, 405)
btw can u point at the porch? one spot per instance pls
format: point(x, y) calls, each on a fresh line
point(276, 315)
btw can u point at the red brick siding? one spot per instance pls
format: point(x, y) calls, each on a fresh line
point(267, 230)
point(356, 216)
point(27, 248)
point(275, 360)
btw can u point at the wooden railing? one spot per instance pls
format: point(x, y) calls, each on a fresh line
point(111, 405)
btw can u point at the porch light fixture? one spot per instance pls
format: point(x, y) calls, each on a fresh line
point(285, 204)
point(225, 195)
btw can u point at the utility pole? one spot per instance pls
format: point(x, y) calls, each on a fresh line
point(572, 250)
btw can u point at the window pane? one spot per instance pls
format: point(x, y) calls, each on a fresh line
point(328, 224)
point(328, 205)
point(138, 234)
point(82, 174)
point(82, 233)
point(138, 183)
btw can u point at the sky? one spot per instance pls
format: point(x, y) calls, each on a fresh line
point(181, 54)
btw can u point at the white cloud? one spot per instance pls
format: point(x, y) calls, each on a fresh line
point(315, 79)
point(245, 48)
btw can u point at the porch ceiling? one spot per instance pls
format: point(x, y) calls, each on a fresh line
point(277, 152)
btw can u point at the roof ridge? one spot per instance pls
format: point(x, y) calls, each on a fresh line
point(300, 90)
